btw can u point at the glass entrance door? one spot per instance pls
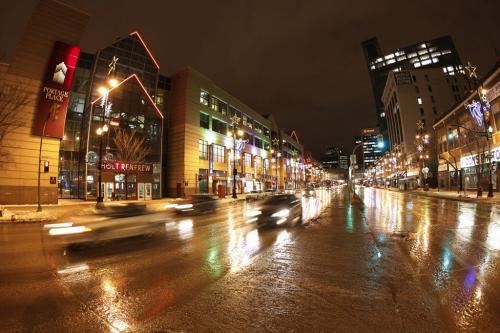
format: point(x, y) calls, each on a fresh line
point(109, 191)
point(140, 191)
point(148, 191)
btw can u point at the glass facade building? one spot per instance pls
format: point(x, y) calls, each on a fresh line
point(130, 150)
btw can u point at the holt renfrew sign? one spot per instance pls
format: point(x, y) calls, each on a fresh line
point(122, 166)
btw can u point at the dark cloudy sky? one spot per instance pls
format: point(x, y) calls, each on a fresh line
point(300, 60)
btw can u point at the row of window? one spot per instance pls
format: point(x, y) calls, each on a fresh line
point(219, 155)
point(218, 152)
point(221, 127)
point(423, 57)
point(228, 110)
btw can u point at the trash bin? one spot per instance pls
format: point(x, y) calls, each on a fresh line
point(221, 191)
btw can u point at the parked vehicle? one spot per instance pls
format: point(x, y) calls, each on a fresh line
point(281, 209)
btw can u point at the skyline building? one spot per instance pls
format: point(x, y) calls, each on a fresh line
point(436, 53)
point(372, 147)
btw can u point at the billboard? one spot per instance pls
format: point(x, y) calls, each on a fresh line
point(54, 94)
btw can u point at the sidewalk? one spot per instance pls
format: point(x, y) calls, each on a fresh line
point(469, 196)
point(70, 207)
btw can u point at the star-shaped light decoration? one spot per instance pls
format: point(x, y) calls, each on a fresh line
point(276, 142)
point(420, 125)
point(235, 120)
point(112, 65)
point(471, 70)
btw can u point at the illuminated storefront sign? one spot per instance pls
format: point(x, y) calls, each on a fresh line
point(121, 166)
point(54, 95)
point(472, 160)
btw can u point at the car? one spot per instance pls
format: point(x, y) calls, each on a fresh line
point(281, 209)
point(196, 204)
point(309, 192)
point(101, 228)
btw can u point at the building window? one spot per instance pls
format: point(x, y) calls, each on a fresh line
point(219, 153)
point(421, 111)
point(219, 126)
point(202, 149)
point(214, 103)
point(414, 78)
point(204, 120)
point(258, 143)
point(433, 100)
point(417, 90)
point(258, 164)
point(434, 110)
point(426, 77)
point(419, 100)
point(429, 88)
point(248, 160)
point(204, 98)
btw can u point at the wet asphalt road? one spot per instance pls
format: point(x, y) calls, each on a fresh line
point(398, 263)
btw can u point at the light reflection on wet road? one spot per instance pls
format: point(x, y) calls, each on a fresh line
point(398, 263)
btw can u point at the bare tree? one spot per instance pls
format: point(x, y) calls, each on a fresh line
point(12, 100)
point(130, 148)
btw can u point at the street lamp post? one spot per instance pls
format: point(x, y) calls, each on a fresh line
point(481, 112)
point(422, 140)
point(234, 123)
point(275, 156)
point(39, 208)
point(101, 131)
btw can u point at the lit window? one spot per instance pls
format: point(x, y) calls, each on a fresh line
point(419, 101)
point(389, 56)
point(435, 60)
point(417, 65)
point(426, 62)
point(219, 153)
point(202, 149)
point(391, 61)
point(204, 98)
point(248, 160)
point(382, 115)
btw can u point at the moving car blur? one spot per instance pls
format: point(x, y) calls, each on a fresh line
point(309, 192)
point(197, 204)
point(279, 209)
point(110, 223)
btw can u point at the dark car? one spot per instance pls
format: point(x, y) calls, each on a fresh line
point(196, 204)
point(282, 209)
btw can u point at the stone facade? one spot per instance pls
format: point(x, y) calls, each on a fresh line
point(51, 21)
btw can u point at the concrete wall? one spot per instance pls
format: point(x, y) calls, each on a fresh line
point(51, 21)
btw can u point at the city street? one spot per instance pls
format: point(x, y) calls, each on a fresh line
point(395, 263)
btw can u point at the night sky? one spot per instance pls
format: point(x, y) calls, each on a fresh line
point(300, 60)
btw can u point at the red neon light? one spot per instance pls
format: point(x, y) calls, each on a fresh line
point(293, 134)
point(143, 89)
point(146, 47)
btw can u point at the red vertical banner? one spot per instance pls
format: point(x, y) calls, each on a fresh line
point(56, 87)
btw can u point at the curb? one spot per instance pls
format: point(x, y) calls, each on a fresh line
point(27, 221)
point(460, 199)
